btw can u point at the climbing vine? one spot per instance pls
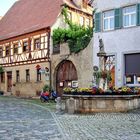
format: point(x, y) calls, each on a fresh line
point(1, 69)
point(77, 37)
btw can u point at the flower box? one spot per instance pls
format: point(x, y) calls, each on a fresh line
point(104, 93)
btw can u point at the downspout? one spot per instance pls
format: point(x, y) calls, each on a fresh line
point(49, 58)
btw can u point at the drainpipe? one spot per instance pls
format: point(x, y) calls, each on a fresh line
point(49, 58)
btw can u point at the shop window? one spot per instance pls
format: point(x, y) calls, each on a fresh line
point(132, 68)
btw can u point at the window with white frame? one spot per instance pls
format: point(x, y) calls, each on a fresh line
point(129, 16)
point(37, 43)
point(1, 51)
point(81, 20)
point(27, 75)
point(15, 48)
point(17, 76)
point(70, 16)
point(108, 20)
point(87, 22)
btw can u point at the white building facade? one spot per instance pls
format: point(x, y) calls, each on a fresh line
point(117, 24)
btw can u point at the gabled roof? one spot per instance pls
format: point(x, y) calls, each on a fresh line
point(26, 16)
point(29, 15)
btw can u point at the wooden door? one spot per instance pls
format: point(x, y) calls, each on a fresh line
point(9, 81)
point(66, 73)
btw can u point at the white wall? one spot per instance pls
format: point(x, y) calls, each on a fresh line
point(117, 42)
point(102, 5)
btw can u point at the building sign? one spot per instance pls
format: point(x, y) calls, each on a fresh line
point(61, 84)
point(74, 84)
point(69, 84)
point(47, 75)
point(138, 79)
point(128, 79)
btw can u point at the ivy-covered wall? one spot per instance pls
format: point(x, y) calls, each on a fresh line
point(77, 37)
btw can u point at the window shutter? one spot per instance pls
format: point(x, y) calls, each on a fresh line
point(97, 22)
point(118, 18)
point(138, 14)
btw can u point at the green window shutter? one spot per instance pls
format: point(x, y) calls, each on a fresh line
point(118, 18)
point(138, 14)
point(97, 22)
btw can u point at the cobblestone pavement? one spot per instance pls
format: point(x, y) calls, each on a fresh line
point(22, 121)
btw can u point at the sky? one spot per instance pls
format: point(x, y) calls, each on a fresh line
point(5, 5)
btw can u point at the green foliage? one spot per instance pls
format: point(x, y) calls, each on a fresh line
point(46, 88)
point(1, 69)
point(102, 74)
point(77, 37)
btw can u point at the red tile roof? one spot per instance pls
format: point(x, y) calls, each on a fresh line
point(29, 15)
point(26, 16)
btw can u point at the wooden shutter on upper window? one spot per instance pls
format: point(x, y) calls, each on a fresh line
point(138, 14)
point(97, 22)
point(118, 18)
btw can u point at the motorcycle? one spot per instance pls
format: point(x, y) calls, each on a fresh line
point(45, 96)
point(53, 95)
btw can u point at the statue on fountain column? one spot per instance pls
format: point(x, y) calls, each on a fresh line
point(101, 49)
point(101, 45)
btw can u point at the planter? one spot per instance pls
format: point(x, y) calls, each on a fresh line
point(104, 93)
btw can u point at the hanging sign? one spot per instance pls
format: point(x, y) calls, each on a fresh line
point(128, 79)
point(61, 84)
point(74, 84)
point(38, 67)
point(47, 75)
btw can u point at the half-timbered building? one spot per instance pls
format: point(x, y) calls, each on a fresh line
point(27, 54)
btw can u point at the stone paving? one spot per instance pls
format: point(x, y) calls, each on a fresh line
point(22, 121)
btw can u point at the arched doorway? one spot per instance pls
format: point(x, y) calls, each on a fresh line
point(66, 73)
